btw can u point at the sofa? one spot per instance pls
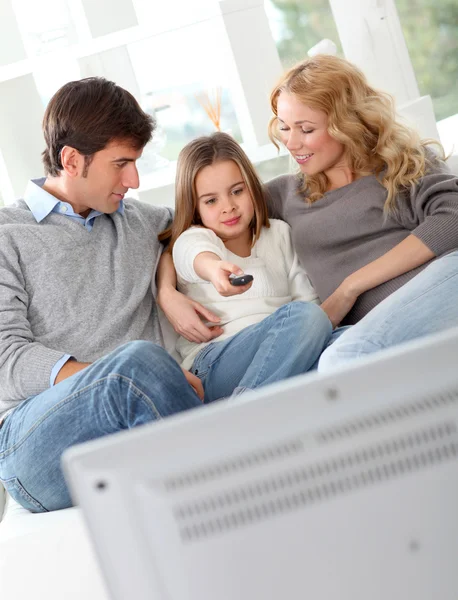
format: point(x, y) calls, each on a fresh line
point(47, 556)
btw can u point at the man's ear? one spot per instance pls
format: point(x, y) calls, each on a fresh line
point(72, 161)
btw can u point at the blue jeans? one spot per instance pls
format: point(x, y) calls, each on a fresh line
point(426, 304)
point(135, 384)
point(288, 342)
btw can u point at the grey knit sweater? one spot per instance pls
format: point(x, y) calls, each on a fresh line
point(346, 229)
point(67, 290)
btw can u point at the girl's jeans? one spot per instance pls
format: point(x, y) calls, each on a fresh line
point(288, 342)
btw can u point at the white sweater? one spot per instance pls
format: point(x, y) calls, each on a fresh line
point(278, 279)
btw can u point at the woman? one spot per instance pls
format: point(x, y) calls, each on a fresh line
point(373, 211)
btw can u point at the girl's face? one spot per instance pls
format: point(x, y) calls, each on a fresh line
point(223, 201)
point(304, 133)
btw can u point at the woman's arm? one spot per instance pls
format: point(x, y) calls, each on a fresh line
point(405, 256)
point(430, 212)
point(182, 312)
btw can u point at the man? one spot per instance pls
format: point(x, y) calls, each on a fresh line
point(79, 333)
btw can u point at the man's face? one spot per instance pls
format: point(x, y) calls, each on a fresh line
point(110, 174)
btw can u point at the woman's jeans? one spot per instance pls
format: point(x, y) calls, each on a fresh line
point(135, 384)
point(426, 304)
point(288, 342)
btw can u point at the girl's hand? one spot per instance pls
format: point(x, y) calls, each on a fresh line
point(183, 313)
point(195, 383)
point(219, 277)
point(339, 303)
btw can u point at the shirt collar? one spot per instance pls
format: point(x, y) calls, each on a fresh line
point(41, 203)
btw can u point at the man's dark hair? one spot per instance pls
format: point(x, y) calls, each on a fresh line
point(89, 114)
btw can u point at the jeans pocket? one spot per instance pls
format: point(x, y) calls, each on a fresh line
point(201, 364)
point(16, 490)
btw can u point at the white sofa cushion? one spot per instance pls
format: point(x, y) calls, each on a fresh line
point(47, 556)
point(2, 500)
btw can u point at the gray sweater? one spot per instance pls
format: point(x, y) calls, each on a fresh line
point(346, 229)
point(67, 290)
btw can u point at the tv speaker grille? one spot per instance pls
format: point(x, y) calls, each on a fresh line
point(306, 485)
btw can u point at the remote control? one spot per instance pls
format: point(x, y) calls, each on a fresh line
point(240, 279)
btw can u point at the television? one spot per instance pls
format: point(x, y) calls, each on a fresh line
point(341, 486)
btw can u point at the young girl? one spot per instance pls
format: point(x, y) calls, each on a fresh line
point(273, 327)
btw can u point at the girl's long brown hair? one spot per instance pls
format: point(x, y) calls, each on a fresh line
point(203, 152)
point(359, 117)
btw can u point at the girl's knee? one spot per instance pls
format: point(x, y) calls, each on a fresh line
point(311, 314)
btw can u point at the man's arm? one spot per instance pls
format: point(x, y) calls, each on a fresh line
point(25, 365)
point(182, 312)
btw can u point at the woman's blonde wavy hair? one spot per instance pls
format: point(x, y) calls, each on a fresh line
point(359, 117)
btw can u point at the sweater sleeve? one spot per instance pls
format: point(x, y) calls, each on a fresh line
point(192, 242)
point(25, 365)
point(299, 282)
point(430, 211)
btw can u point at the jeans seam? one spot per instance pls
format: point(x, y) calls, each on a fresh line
point(23, 492)
point(72, 397)
point(260, 371)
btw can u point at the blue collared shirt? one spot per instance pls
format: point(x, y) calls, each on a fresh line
point(41, 204)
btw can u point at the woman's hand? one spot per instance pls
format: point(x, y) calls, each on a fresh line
point(195, 383)
point(183, 313)
point(219, 271)
point(340, 302)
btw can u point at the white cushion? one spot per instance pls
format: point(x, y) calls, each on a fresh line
point(2, 500)
point(47, 556)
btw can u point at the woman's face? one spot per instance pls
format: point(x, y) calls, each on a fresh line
point(304, 132)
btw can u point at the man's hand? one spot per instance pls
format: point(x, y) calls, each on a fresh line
point(195, 383)
point(183, 313)
point(70, 368)
point(339, 303)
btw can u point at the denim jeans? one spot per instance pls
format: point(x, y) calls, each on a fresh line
point(288, 342)
point(426, 304)
point(135, 384)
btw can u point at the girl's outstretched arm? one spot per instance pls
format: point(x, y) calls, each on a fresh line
point(210, 267)
point(182, 312)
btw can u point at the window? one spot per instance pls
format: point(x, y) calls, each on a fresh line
point(168, 57)
point(297, 25)
point(198, 62)
point(431, 33)
point(44, 28)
